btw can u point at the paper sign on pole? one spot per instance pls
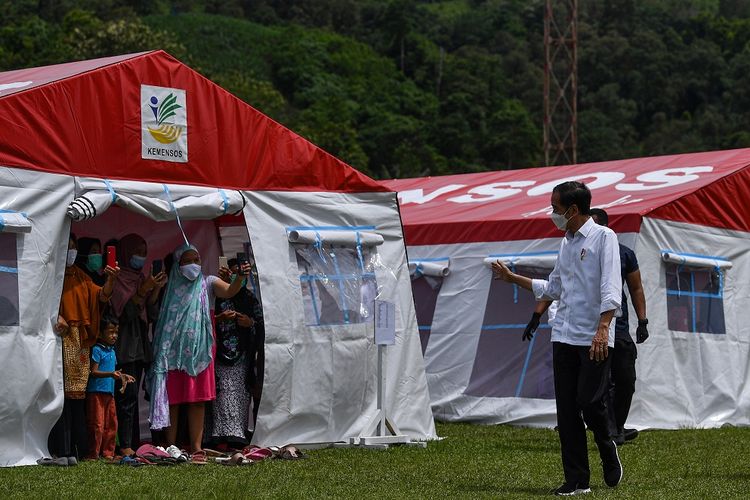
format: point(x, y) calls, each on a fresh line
point(385, 322)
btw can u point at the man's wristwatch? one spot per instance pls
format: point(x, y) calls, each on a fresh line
point(643, 322)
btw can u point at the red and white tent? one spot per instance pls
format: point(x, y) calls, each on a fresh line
point(131, 143)
point(687, 219)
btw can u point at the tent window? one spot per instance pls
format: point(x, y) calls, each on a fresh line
point(338, 283)
point(504, 366)
point(426, 281)
point(695, 298)
point(8, 280)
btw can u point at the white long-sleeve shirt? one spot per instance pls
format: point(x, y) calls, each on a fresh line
point(587, 282)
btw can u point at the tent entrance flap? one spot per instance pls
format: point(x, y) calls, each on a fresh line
point(159, 202)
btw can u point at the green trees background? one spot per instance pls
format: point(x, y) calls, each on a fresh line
point(402, 88)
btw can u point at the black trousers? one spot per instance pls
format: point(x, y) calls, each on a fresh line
point(580, 387)
point(128, 422)
point(622, 384)
point(69, 436)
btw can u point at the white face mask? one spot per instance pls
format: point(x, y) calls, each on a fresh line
point(559, 220)
point(191, 271)
point(72, 254)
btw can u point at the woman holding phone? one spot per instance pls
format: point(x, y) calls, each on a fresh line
point(236, 319)
point(90, 259)
point(182, 372)
point(134, 303)
point(78, 324)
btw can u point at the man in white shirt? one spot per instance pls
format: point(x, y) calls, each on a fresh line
point(586, 280)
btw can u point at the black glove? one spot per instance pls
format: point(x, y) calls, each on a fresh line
point(641, 333)
point(528, 333)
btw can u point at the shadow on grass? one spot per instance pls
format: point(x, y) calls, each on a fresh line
point(734, 476)
point(535, 448)
point(545, 492)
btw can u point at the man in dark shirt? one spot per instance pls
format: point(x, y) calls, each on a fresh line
point(622, 381)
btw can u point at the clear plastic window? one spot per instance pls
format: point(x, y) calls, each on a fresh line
point(695, 299)
point(338, 283)
point(8, 280)
point(504, 365)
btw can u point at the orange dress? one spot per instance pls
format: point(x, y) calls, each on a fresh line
point(79, 306)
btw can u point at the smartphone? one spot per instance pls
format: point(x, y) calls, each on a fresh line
point(223, 262)
point(112, 256)
point(241, 259)
point(156, 267)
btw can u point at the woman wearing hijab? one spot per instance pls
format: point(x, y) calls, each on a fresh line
point(182, 369)
point(90, 259)
point(78, 323)
point(134, 301)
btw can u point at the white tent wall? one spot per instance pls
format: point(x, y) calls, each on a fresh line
point(30, 353)
point(454, 342)
point(688, 379)
point(320, 381)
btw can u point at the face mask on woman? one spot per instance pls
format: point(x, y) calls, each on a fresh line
point(191, 271)
point(71, 259)
point(137, 262)
point(94, 262)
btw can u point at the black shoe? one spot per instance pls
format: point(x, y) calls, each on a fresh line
point(619, 439)
point(630, 434)
point(611, 465)
point(570, 488)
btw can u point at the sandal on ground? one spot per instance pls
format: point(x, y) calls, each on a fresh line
point(291, 453)
point(58, 462)
point(128, 460)
point(236, 459)
point(256, 454)
point(198, 458)
point(215, 453)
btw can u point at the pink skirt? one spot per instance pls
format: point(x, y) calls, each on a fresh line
point(183, 388)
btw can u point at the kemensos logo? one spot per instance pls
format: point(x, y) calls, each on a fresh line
point(164, 124)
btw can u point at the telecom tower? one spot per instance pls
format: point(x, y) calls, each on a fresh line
point(560, 82)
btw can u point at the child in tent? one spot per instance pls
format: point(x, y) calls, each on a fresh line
point(100, 393)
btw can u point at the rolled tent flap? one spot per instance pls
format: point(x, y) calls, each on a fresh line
point(438, 269)
point(155, 201)
point(348, 238)
point(694, 260)
point(89, 205)
point(543, 261)
point(14, 222)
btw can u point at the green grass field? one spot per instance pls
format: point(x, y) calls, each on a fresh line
point(471, 462)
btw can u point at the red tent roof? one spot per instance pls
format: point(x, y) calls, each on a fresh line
point(709, 189)
point(90, 118)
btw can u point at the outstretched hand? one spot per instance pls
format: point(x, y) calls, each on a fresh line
point(501, 271)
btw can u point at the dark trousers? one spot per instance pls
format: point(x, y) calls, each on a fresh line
point(580, 386)
point(68, 437)
point(129, 425)
point(622, 384)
